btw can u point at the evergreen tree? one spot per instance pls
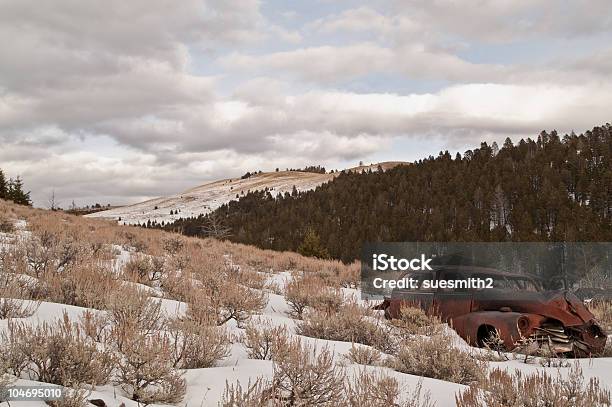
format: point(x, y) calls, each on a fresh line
point(311, 245)
point(3, 186)
point(16, 193)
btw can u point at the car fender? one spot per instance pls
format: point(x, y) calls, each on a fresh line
point(511, 326)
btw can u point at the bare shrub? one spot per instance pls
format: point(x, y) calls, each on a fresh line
point(12, 260)
point(415, 321)
point(6, 225)
point(436, 357)
point(145, 269)
point(72, 398)
point(351, 323)
point(12, 294)
point(364, 355)
point(256, 394)
point(5, 379)
point(229, 301)
point(349, 276)
point(502, 389)
point(262, 342)
point(58, 353)
point(177, 285)
point(52, 249)
point(172, 245)
point(195, 345)
point(40, 253)
point(95, 325)
point(16, 308)
point(251, 279)
point(133, 313)
point(311, 292)
point(304, 375)
point(146, 373)
point(602, 310)
point(378, 390)
point(87, 285)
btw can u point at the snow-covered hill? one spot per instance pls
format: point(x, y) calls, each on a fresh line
point(208, 197)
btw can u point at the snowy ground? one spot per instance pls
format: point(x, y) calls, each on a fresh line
point(205, 386)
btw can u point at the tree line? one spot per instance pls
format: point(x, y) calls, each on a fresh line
point(12, 190)
point(550, 188)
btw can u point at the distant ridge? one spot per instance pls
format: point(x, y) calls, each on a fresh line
point(205, 198)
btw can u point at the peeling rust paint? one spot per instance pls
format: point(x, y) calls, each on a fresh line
point(524, 316)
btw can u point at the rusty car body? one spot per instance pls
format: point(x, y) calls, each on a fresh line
point(517, 313)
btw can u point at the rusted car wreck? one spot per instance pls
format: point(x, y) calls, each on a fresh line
point(517, 314)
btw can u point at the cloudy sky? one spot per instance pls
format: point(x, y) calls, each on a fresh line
point(116, 101)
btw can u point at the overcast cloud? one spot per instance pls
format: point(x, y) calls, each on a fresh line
point(119, 101)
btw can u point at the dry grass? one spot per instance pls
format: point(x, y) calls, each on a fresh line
point(436, 357)
point(602, 309)
point(502, 389)
point(256, 394)
point(72, 398)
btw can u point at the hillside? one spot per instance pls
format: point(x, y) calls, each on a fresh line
point(128, 316)
point(550, 189)
point(205, 198)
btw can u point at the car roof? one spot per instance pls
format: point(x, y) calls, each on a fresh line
point(482, 270)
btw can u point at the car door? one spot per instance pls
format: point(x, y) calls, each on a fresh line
point(417, 297)
point(450, 303)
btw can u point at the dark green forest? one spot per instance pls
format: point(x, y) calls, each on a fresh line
point(12, 190)
point(549, 189)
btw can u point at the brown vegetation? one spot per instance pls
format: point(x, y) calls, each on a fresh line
point(436, 357)
point(58, 353)
point(502, 389)
point(264, 342)
point(311, 291)
point(350, 323)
